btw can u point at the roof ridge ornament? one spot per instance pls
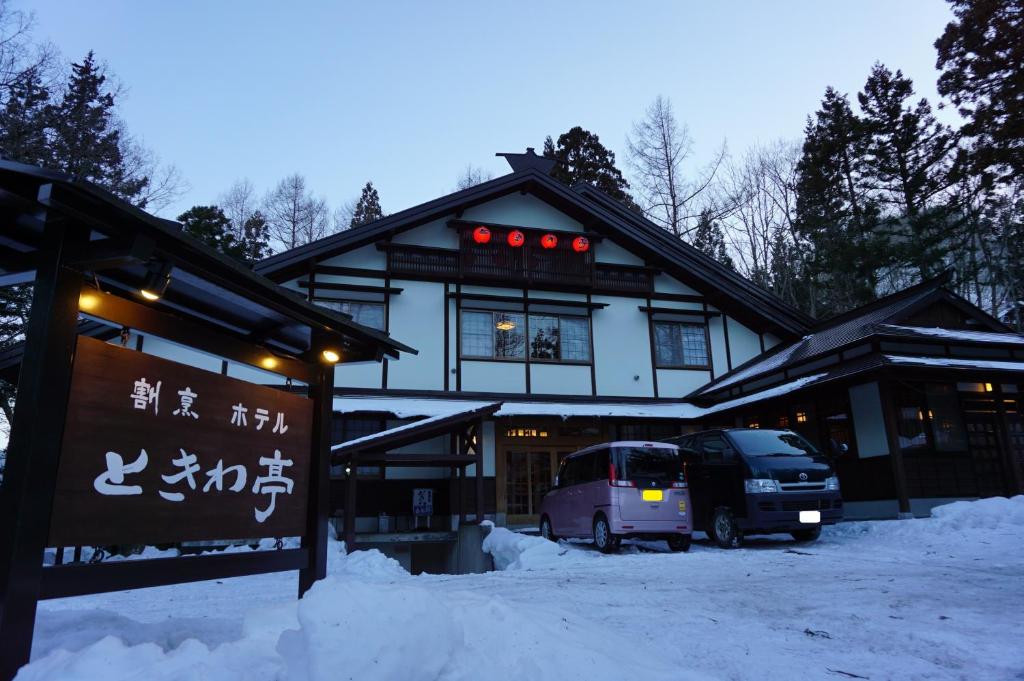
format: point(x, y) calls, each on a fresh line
point(529, 160)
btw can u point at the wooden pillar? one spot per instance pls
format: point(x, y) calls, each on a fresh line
point(462, 499)
point(350, 504)
point(318, 508)
point(892, 434)
point(33, 454)
point(479, 471)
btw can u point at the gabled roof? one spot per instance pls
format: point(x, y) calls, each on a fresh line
point(724, 288)
point(881, 317)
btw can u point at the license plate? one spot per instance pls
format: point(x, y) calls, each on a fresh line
point(653, 495)
point(810, 516)
point(682, 507)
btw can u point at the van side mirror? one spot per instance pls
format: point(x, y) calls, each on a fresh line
point(844, 448)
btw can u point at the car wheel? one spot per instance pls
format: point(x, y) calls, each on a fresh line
point(545, 529)
point(680, 542)
point(724, 529)
point(810, 534)
point(604, 540)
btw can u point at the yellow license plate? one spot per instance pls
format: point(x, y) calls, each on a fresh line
point(653, 495)
point(682, 507)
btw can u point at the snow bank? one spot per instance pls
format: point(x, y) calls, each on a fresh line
point(515, 551)
point(995, 516)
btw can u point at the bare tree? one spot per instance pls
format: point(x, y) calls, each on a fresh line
point(471, 177)
point(166, 183)
point(658, 147)
point(19, 53)
point(294, 216)
point(239, 203)
point(341, 217)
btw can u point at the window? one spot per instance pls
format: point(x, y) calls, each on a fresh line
point(503, 335)
point(493, 335)
point(559, 338)
point(365, 313)
point(680, 345)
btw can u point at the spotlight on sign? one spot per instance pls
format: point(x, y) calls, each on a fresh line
point(155, 285)
point(88, 301)
point(331, 356)
point(516, 238)
point(481, 235)
point(581, 244)
point(269, 362)
point(549, 241)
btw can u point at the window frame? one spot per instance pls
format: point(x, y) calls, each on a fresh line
point(707, 345)
point(330, 302)
point(527, 331)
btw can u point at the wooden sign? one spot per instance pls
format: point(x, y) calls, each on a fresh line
point(158, 452)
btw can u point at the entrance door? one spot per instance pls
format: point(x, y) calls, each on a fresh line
point(529, 474)
point(986, 454)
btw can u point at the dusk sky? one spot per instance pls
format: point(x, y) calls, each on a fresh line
point(407, 94)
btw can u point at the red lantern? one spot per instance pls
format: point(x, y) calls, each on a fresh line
point(581, 244)
point(549, 241)
point(516, 238)
point(481, 235)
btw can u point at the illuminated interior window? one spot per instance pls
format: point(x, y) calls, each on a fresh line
point(801, 417)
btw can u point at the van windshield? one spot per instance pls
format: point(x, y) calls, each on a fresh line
point(771, 443)
point(647, 463)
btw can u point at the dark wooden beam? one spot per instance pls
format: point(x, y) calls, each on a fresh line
point(352, 288)
point(672, 310)
point(314, 540)
point(191, 333)
point(112, 253)
point(80, 579)
point(33, 454)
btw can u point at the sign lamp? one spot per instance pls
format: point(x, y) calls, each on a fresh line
point(516, 238)
point(481, 235)
point(581, 244)
point(156, 282)
point(331, 356)
point(549, 241)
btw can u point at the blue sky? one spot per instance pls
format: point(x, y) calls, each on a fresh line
point(407, 93)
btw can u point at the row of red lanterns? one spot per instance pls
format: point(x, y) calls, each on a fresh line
point(516, 238)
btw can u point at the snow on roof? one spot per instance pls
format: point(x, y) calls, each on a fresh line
point(407, 426)
point(956, 334)
point(437, 409)
point(958, 363)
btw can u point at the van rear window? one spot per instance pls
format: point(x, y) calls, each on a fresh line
point(648, 463)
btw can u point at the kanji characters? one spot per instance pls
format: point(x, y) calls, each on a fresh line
point(217, 474)
point(273, 483)
point(262, 416)
point(187, 399)
point(187, 462)
point(110, 482)
point(144, 394)
point(238, 413)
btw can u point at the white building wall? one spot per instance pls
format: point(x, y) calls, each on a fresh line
point(743, 343)
point(559, 379)
point(622, 348)
point(523, 210)
point(367, 257)
point(680, 382)
point(416, 318)
point(719, 359)
point(503, 377)
point(663, 283)
point(608, 251)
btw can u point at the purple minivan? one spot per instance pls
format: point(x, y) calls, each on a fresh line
point(619, 490)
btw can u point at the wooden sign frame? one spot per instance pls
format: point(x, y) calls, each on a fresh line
point(36, 439)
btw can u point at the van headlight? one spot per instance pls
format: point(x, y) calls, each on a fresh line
point(832, 483)
point(760, 485)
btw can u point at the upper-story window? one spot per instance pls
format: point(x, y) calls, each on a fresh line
point(680, 345)
point(511, 335)
point(362, 312)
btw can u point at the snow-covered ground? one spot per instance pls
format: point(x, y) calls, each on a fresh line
point(940, 598)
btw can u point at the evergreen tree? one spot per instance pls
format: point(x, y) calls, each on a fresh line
point(582, 158)
point(24, 122)
point(367, 208)
point(709, 239)
point(908, 164)
point(834, 213)
point(255, 242)
point(86, 140)
point(981, 56)
point(209, 225)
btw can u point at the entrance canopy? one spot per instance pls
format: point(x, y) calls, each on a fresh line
point(128, 251)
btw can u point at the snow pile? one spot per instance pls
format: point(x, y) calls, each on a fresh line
point(515, 551)
point(995, 516)
point(369, 565)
